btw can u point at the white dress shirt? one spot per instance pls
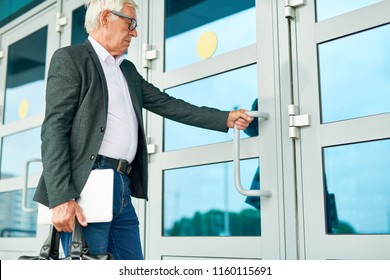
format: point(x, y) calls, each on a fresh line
point(121, 132)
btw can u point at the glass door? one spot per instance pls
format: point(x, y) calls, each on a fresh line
point(344, 84)
point(209, 55)
point(22, 90)
point(74, 32)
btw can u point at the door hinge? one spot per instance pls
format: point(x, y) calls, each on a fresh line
point(149, 54)
point(152, 149)
point(2, 54)
point(289, 7)
point(61, 22)
point(296, 121)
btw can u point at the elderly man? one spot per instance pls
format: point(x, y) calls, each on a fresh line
point(93, 120)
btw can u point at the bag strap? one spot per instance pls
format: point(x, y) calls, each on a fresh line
point(79, 246)
point(50, 249)
point(78, 251)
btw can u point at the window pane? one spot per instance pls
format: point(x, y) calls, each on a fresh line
point(358, 188)
point(227, 91)
point(355, 83)
point(11, 9)
point(25, 86)
point(79, 34)
point(330, 8)
point(203, 201)
point(13, 221)
point(17, 149)
point(198, 29)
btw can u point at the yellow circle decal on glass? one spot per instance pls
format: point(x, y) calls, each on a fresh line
point(207, 44)
point(23, 109)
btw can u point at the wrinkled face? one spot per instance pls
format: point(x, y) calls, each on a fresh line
point(116, 33)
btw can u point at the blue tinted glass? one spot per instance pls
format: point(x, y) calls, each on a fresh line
point(79, 34)
point(17, 149)
point(227, 91)
point(11, 9)
point(358, 188)
point(25, 86)
point(233, 23)
point(355, 75)
point(13, 221)
point(203, 201)
point(330, 8)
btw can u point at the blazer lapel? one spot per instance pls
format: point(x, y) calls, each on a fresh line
point(128, 76)
point(133, 91)
point(99, 68)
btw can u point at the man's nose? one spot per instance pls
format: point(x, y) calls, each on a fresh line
point(133, 33)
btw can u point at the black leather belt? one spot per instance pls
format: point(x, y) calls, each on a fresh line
point(120, 165)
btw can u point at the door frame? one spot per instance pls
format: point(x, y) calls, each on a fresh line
point(42, 15)
point(272, 243)
point(307, 33)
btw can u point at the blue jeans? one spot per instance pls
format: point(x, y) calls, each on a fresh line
point(119, 237)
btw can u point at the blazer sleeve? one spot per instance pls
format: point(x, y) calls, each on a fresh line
point(179, 110)
point(62, 94)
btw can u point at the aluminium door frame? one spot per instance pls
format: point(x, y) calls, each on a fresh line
point(41, 16)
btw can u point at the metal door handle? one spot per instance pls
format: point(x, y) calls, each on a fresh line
point(24, 193)
point(236, 160)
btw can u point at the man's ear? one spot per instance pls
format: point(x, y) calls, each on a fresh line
point(104, 18)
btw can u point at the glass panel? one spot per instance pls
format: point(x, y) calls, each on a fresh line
point(227, 91)
point(330, 8)
point(17, 149)
point(355, 83)
point(11, 9)
point(79, 34)
point(202, 201)
point(358, 188)
point(25, 86)
point(198, 29)
point(13, 221)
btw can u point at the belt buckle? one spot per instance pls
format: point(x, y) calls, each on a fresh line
point(123, 167)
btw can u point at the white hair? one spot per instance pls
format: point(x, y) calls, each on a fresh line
point(95, 7)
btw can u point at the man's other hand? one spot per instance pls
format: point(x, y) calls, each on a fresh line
point(239, 117)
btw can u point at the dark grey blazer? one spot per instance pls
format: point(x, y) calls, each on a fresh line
point(75, 121)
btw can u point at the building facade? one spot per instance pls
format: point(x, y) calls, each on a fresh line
point(319, 69)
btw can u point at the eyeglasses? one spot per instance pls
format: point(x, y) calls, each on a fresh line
point(133, 22)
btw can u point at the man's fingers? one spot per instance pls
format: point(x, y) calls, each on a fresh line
point(80, 216)
point(64, 225)
point(63, 216)
point(240, 118)
point(243, 121)
point(246, 117)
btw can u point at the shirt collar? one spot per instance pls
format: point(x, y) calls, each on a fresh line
point(103, 54)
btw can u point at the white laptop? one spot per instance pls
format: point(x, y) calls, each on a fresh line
point(96, 199)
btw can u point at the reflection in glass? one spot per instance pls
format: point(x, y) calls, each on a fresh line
point(17, 149)
point(234, 23)
point(355, 75)
point(227, 91)
point(79, 34)
point(358, 188)
point(203, 201)
point(330, 8)
point(13, 221)
point(11, 9)
point(25, 86)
